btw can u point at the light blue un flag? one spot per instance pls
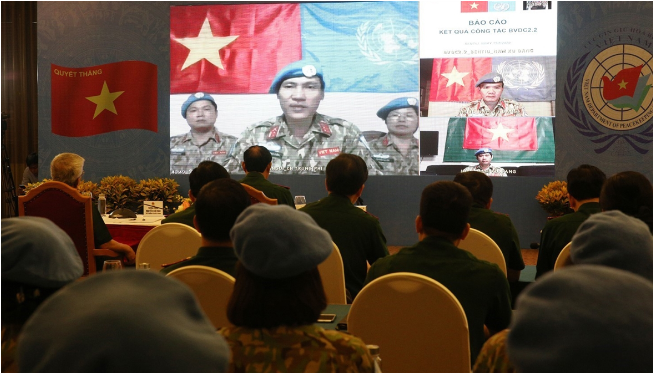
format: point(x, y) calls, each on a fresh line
point(364, 46)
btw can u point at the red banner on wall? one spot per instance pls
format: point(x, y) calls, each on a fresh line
point(500, 133)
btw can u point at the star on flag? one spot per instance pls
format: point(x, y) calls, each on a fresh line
point(474, 5)
point(500, 132)
point(205, 46)
point(104, 101)
point(455, 76)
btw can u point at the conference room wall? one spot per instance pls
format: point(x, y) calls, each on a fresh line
point(84, 34)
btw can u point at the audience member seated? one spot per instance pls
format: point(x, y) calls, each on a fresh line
point(38, 259)
point(122, 321)
point(481, 287)
point(278, 296)
point(611, 239)
point(584, 188)
point(31, 172)
point(217, 206)
point(631, 193)
point(585, 318)
point(201, 175)
point(498, 226)
point(68, 168)
point(616, 240)
point(257, 162)
point(357, 234)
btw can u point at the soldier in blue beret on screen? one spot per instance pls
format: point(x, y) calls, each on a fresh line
point(484, 157)
point(491, 103)
point(203, 142)
point(397, 152)
point(301, 140)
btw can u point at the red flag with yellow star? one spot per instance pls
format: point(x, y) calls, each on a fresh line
point(500, 133)
point(454, 79)
point(231, 48)
point(88, 101)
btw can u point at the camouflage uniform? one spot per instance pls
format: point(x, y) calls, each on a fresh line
point(306, 348)
point(505, 108)
point(494, 356)
point(490, 171)
point(185, 155)
point(326, 138)
point(390, 159)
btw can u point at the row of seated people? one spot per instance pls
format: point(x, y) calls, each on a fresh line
point(479, 312)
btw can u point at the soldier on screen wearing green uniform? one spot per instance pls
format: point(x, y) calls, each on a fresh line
point(484, 157)
point(203, 142)
point(397, 152)
point(491, 104)
point(301, 140)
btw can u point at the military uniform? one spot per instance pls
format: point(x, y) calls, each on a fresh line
point(305, 348)
point(271, 190)
point(494, 355)
point(358, 235)
point(390, 159)
point(480, 287)
point(505, 108)
point(184, 217)
point(490, 171)
point(326, 138)
point(557, 233)
point(185, 154)
point(500, 229)
point(218, 257)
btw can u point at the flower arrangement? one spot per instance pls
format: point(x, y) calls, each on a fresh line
point(157, 189)
point(553, 198)
point(85, 186)
point(118, 190)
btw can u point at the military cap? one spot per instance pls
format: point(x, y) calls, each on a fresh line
point(197, 97)
point(490, 78)
point(297, 69)
point(397, 103)
point(35, 251)
point(279, 241)
point(483, 151)
point(122, 321)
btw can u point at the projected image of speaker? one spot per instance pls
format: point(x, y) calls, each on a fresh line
point(428, 143)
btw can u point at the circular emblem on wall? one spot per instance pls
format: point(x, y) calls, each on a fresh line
point(616, 87)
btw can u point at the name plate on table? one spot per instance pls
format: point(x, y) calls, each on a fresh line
point(153, 208)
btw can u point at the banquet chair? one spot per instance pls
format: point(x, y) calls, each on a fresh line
point(332, 272)
point(212, 288)
point(564, 258)
point(418, 324)
point(484, 248)
point(166, 244)
point(69, 210)
point(257, 196)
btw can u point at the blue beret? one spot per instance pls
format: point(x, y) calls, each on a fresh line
point(397, 103)
point(35, 251)
point(122, 321)
point(279, 241)
point(482, 151)
point(297, 69)
point(490, 78)
point(196, 97)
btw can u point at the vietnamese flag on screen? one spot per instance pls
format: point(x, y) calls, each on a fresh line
point(88, 101)
point(231, 48)
point(473, 6)
point(500, 133)
point(454, 79)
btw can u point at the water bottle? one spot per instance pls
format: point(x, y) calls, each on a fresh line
point(102, 204)
point(376, 358)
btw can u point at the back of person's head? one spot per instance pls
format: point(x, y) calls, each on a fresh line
point(614, 239)
point(444, 209)
point(218, 205)
point(122, 321)
point(38, 258)
point(346, 174)
point(479, 185)
point(32, 159)
point(585, 182)
point(67, 168)
point(257, 158)
point(204, 173)
point(631, 193)
point(584, 318)
point(277, 281)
